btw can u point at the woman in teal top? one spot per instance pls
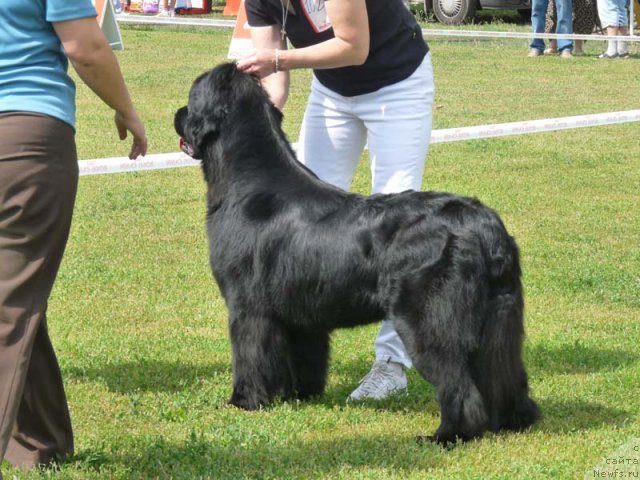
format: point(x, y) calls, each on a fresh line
point(38, 181)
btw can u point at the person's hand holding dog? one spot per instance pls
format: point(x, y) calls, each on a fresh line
point(261, 63)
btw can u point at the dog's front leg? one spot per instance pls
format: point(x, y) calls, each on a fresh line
point(309, 362)
point(260, 350)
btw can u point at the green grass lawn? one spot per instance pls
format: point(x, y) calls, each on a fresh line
point(140, 328)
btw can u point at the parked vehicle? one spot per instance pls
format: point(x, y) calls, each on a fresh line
point(457, 12)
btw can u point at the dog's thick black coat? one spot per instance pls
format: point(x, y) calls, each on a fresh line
point(296, 258)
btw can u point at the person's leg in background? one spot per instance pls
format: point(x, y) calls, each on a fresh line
point(564, 12)
point(168, 8)
point(39, 172)
point(611, 15)
point(550, 26)
point(331, 138)
point(623, 47)
point(612, 45)
point(398, 120)
point(538, 16)
point(623, 21)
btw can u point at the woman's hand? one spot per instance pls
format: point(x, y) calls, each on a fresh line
point(132, 123)
point(261, 62)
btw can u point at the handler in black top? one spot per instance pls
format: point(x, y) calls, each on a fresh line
point(372, 84)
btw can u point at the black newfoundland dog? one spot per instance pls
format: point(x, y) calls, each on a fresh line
point(296, 258)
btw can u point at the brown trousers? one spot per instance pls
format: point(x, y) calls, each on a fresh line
point(38, 183)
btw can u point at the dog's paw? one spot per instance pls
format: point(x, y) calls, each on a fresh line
point(244, 402)
point(445, 442)
point(245, 405)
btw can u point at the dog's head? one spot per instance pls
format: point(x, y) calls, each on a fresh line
point(215, 100)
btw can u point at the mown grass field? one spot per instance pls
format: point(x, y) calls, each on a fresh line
point(140, 328)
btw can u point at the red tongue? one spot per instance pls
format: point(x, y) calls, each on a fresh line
point(185, 147)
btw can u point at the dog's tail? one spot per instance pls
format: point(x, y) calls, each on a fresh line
point(499, 370)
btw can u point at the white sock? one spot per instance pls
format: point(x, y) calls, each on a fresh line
point(623, 49)
point(612, 48)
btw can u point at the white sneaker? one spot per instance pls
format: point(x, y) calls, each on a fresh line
point(534, 52)
point(385, 378)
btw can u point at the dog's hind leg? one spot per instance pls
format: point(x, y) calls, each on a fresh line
point(260, 349)
point(462, 409)
point(439, 354)
point(437, 310)
point(309, 359)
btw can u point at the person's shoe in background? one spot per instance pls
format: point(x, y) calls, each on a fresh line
point(386, 378)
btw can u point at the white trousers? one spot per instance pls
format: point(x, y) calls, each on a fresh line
point(395, 122)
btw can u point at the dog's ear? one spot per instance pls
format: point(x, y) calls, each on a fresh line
point(205, 115)
point(179, 120)
point(202, 127)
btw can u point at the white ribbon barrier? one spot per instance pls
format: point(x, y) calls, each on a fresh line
point(203, 22)
point(533, 126)
point(525, 35)
point(101, 166)
point(175, 21)
point(174, 160)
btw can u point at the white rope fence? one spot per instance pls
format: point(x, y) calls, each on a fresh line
point(179, 159)
point(182, 21)
point(213, 23)
point(525, 35)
